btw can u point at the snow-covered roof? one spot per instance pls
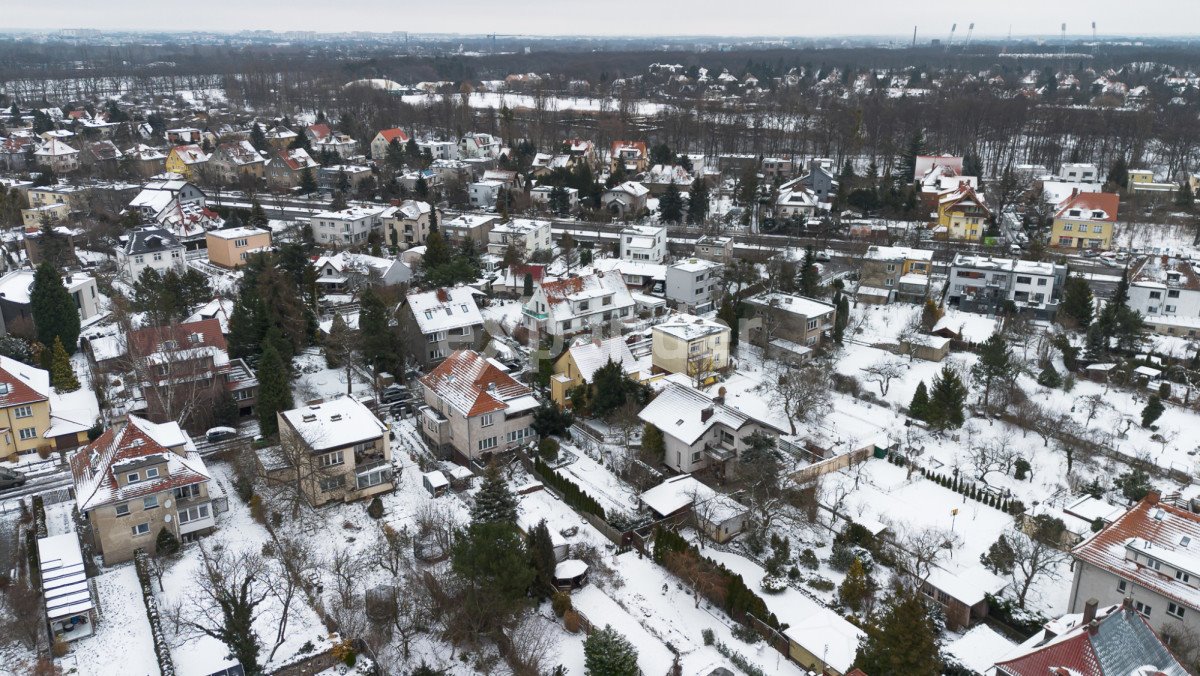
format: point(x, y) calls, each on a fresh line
point(592, 355)
point(64, 581)
point(689, 327)
point(444, 309)
point(695, 265)
point(627, 268)
point(562, 294)
point(1014, 265)
point(95, 467)
point(798, 305)
point(680, 492)
point(472, 385)
point(336, 423)
point(898, 253)
point(688, 414)
point(238, 233)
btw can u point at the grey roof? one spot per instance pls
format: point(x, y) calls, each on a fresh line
point(1124, 643)
point(149, 240)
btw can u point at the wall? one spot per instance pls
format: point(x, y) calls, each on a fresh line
point(833, 464)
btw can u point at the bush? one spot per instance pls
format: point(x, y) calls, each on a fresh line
point(257, 510)
point(745, 634)
point(774, 584)
point(840, 557)
point(573, 495)
point(548, 449)
point(808, 559)
point(571, 621)
point(560, 603)
point(162, 649)
point(166, 544)
point(1021, 469)
point(708, 636)
point(820, 583)
point(375, 509)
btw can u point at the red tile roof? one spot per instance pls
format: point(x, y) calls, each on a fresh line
point(472, 385)
point(1088, 202)
point(18, 391)
point(397, 133)
point(318, 131)
point(147, 341)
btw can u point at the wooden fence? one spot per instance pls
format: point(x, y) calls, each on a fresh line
point(806, 474)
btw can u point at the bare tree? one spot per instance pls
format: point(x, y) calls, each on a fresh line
point(993, 455)
point(532, 645)
point(919, 550)
point(292, 568)
point(23, 605)
point(802, 393)
point(883, 373)
point(232, 587)
point(300, 473)
point(1092, 405)
point(698, 575)
point(1033, 558)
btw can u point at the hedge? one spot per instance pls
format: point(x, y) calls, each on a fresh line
point(738, 600)
point(573, 495)
point(971, 491)
point(161, 649)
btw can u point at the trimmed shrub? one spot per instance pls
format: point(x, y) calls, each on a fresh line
point(560, 603)
point(571, 621)
point(548, 449)
point(375, 509)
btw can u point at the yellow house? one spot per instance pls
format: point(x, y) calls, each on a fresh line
point(187, 161)
point(691, 345)
point(1085, 220)
point(33, 217)
point(1140, 177)
point(963, 214)
point(24, 408)
point(579, 364)
point(231, 247)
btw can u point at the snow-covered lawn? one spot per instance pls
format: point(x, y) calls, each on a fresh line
point(121, 645)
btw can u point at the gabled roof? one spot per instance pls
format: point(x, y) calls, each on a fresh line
point(472, 385)
point(318, 131)
point(681, 411)
point(632, 188)
point(394, 133)
point(190, 154)
point(444, 309)
point(1120, 643)
point(963, 194)
point(239, 152)
point(148, 239)
point(1152, 529)
point(54, 148)
point(592, 355)
point(22, 383)
point(95, 467)
point(295, 159)
point(205, 333)
point(560, 294)
point(1105, 204)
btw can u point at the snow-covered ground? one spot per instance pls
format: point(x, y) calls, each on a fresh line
point(122, 644)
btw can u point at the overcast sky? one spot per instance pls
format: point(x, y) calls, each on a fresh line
point(623, 17)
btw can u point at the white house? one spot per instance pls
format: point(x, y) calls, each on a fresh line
point(483, 194)
point(57, 155)
point(576, 304)
point(1076, 172)
point(438, 322)
point(541, 195)
point(532, 234)
point(439, 150)
point(475, 145)
point(346, 272)
point(698, 432)
point(349, 226)
point(626, 199)
point(983, 283)
point(1166, 291)
point(797, 201)
point(692, 284)
point(149, 247)
point(644, 243)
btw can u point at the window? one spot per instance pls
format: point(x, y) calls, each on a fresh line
point(333, 483)
point(1154, 563)
point(1122, 585)
point(1024, 280)
point(485, 444)
point(1175, 610)
point(133, 478)
point(696, 457)
point(1067, 227)
point(1173, 293)
point(364, 446)
point(175, 254)
point(891, 267)
point(28, 433)
point(152, 473)
point(373, 478)
point(1142, 608)
point(239, 243)
point(1169, 309)
point(331, 459)
point(122, 509)
point(158, 255)
point(1182, 576)
point(23, 411)
point(486, 421)
point(141, 529)
point(139, 259)
point(187, 492)
point(1155, 295)
point(150, 502)
point(1097, 229)
point(1042, 281)
point(193, 514)
point(812, 324)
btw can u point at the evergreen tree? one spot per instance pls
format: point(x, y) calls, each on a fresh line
point(904, 641)
point(930, 315)
point(1118, 320)
point(810, 280)
point(995, 364)
point(166, 544)
point(1096, 344)
point(308, 183)
point(946, 400)
point(394, 155)
point(374, 325)
point(53, 309)
point(857, 588)
point(258, 138)
point(244, 337)
point(437, 252)
point(491, 561)
point(527, 286)
point(1184, 197)
point(670, 205)
point(919, 406)
point(62, 376)
point(1154, 408)
point(973, 166)
point(728, 314)
point(1049, 377)
point(608, 389)
point(839, 319)
point(258, 216)
point(697, 206)
point(338, 202)
point(494, 502)
point(607, 653)
point(542, 559)
point(908, 164)
point(1118, 174)
point(1078, 304)
point(1000, 557)
point(301, 142)
point(653, 442)
point(274, 387)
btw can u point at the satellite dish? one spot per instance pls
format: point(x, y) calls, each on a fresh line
point(167, 518)
point(167, 503)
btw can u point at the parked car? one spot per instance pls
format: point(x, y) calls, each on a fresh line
point(401, 408)
point(394, 393)
point(10, 478)
point(220, 434)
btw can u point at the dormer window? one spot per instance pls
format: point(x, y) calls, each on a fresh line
point(133, 478)
point(429, 314)
point(195, 338)
point(169, 345)
point(152, 473)
point(1075, 212)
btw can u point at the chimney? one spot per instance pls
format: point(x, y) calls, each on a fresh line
point(1089, 610)
point(1152, 497)
point(1093, 627)
point(1074, 192)
point(706, 413)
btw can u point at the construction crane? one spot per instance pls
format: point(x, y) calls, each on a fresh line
point(970, 31)
point(1064, 38)
point(1095, 42)
point(914, 44)
point(950, 41)
point(1004, 49)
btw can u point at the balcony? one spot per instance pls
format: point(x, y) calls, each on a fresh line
point(540, 316)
